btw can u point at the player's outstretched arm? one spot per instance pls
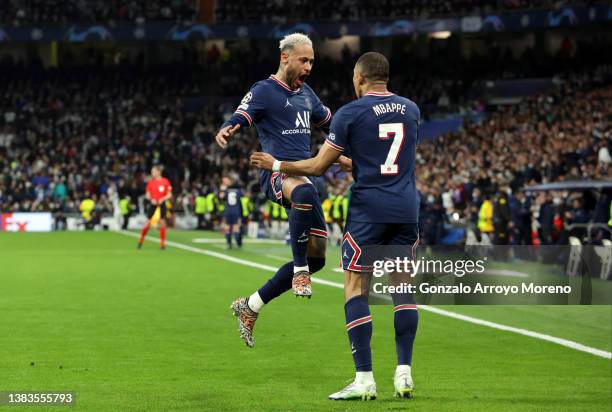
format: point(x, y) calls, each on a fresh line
point(251, 108)
point(315, 166)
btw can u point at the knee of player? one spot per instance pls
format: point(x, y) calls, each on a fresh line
point(304, 196)
point(355, 284)
point(317, 244)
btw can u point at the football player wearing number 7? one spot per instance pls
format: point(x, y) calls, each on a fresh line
point(380, 130)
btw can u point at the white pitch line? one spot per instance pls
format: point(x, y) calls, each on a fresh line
point(276, 257)
point(247, 240)
point(525, 332)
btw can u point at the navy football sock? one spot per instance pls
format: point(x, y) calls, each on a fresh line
point(238, 236)
point(278, 284)
point(359, 328)
point(303, 198)
point(405, 322)
point(228, 238)
point(315, 263)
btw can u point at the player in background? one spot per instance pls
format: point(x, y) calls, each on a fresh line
point(158, 192)
point(230, 194)
point(381, 131)
point(283, 108)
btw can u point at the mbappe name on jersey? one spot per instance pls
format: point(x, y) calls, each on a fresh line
point(389, 108)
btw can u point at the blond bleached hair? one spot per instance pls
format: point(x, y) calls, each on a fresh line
point(291, 40)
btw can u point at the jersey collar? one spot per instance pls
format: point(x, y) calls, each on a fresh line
point(379, 94)
point(283, 84)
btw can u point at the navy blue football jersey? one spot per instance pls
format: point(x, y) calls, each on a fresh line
point(381, 132)
point(232, 202)
point(282, 116)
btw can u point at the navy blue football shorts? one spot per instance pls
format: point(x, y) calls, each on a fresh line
point(231, 218)
point(360, 234)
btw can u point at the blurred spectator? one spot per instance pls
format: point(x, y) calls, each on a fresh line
point(87, 208)
point(520, 209)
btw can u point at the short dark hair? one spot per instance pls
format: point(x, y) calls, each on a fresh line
point(374, 66)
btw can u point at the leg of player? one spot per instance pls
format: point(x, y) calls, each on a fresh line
point(143, 233)
point(359, 329)
point(406, 319)
point(406, 316)
point(162, 233)
point(238, 234)
point(247, 309)
point(228, 235)
point(304, 198)
point(163, 217)
point(317, 243)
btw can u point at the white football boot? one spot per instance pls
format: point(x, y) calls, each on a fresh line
point(356, 391)
point(404, 387)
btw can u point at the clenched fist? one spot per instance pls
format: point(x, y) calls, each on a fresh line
point(262, 160)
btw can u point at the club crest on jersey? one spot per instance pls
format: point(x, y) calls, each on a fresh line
point(303, 120)
point(308, 103)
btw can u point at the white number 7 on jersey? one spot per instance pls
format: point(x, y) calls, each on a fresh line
point(393, 131)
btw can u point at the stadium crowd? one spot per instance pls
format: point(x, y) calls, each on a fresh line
point(562, 135)
point(289, 11)
point(72, 134)
point(19, 12)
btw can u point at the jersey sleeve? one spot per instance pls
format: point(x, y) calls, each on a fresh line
point(321, 115)
point(149, 188)
point(250, 108)
point(168, 185)
point(338, 131)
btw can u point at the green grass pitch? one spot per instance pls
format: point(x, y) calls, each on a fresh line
point(151, 330)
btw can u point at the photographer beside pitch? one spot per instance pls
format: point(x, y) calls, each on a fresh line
point(380, 129)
